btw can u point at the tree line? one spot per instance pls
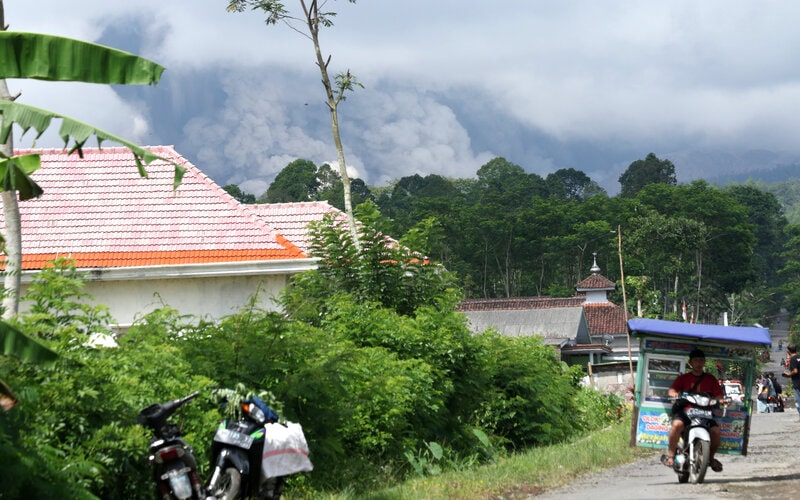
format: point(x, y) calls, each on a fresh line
point(507, 233)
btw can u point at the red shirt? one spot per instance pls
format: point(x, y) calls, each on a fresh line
point(710, 384)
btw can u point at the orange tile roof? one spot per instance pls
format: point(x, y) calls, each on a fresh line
point(292, 219)
point(596, 282)
point(101, 213)
point(605, 319)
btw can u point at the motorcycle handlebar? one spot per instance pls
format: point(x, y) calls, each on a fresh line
point(157, 413)
point(721, 401)
point(185, 399)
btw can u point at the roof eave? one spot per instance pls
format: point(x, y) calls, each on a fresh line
point(206, 270)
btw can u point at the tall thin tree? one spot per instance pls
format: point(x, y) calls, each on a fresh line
point(313, 20)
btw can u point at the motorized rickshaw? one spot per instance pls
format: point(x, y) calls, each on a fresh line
point(663, 355)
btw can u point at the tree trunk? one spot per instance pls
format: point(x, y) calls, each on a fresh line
point(699, 260)
point(675, 284)
point(13, 241)
point(312, 19)
point(13, 248)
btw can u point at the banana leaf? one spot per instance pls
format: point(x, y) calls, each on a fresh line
point(27, 117)
point(54, 58)
point(17, 344)
point(15, 174)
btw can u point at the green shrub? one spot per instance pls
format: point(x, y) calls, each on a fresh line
point(382, 373)
point(530, 398)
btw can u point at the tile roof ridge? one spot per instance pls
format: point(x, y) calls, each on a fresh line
point(168, 149)
point(322, 203)
point(26, 151)
point(290, 246)
point(244, 209)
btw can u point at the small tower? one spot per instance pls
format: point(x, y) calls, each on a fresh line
point(596, 286)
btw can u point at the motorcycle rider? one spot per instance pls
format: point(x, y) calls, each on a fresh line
point(695, 381)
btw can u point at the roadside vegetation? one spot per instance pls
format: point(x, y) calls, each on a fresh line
point(385, 377)
point(525, 473)
point(395, 394)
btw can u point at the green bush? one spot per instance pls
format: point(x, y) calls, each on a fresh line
point(384, 376)
point(530, 398)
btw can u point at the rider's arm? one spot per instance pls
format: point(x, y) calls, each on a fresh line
point(717, 391)
point(677, 387)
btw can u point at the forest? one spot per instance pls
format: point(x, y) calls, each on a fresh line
point(508, 233)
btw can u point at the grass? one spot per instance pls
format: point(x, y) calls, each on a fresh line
point(520, 475)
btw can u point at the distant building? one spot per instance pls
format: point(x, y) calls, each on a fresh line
point(586, 329)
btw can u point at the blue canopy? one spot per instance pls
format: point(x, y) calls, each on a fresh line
point(711, 333)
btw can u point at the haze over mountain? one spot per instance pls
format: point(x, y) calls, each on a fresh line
point(711, 86)
point(721, 167)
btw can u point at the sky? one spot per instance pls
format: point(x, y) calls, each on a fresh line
point(711, 85)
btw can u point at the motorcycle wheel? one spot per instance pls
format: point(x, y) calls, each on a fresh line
point(683, 475)
point(230, 482)
point(702, 456)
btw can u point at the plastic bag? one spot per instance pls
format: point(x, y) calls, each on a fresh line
point(285, 450)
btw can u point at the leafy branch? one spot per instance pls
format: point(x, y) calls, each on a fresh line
point(30, 117)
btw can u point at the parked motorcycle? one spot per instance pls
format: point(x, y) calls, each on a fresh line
point(171, 458)
point(236, 454)
point(693, 454)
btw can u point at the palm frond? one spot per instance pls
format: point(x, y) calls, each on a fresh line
point(17, 344)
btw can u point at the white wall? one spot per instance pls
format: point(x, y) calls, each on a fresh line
point(210, 296)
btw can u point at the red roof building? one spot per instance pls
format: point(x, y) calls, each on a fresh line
point(584, 324)
point(144, 243)
point(588, 329)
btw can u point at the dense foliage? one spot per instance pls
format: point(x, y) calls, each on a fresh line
point(369, 354)
point(384, 387)
point(508, 233)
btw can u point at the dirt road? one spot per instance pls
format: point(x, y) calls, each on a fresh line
point(771, 468)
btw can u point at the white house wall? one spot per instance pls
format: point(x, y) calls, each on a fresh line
point(207, 297)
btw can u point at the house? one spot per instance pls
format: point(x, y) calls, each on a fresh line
point(143, 244)
point(559, 321)
point(608, 325)
point(587, 329)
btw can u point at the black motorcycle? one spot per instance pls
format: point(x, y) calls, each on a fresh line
point(171, 458)
point(693, 456)
point(236, 453)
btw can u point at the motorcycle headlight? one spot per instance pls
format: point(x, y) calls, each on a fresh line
point(256, 413)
